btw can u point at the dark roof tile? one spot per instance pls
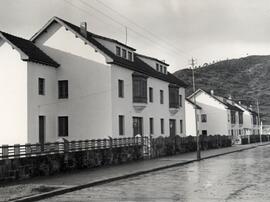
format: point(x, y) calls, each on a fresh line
point(30, 49)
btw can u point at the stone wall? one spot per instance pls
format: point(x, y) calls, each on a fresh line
point(23, 168)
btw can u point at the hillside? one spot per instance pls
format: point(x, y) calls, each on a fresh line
point(245, 79)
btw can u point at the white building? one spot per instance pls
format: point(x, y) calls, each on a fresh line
point(222, 116)
point(68, 82)
point(219, 117)
point(190, 108)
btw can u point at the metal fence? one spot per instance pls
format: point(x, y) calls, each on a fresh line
point(30, 150)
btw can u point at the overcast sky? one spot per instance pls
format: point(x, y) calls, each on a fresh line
point(173, 30)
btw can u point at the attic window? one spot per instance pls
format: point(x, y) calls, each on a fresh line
point(124, 53)
point(129, 55)
point(161, 68)
point(157, 67)
point(118, 51)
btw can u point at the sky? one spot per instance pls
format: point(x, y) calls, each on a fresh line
point(170, 30)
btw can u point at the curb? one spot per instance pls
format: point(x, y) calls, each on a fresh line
point(100, 182)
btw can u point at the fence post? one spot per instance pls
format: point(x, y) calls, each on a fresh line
point(16, 150)
point(5, 151)
point(27, 150)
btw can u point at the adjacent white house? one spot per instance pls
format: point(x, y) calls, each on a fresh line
point(67, 82)
point(192, 109)
point(220, 115)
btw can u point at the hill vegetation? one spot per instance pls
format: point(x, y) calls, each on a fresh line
point(245, 79)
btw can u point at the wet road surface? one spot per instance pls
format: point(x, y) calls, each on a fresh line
point(241, 176)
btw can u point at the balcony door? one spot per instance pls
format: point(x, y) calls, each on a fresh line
point(137, 126)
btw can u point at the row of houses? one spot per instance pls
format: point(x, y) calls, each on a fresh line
point(67, 82)
point(219, 115)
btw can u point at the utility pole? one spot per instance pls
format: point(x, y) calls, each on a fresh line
point(259, 120)
point(126, 34)
point(196, 119)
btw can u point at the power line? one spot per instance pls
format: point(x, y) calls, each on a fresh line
point(142, 28)
point(130, 28)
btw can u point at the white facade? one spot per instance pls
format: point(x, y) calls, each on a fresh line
point(93, 105)
point(219, 113)
point(218, 116)
point(13, 102)
point(191, 120)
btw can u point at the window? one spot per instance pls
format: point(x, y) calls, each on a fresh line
point(161, 97)
point(139, 82)
point(120, 88)
point(181, 126)
point(121, 124)
point(173, 96)
point(162, 126)
point(165, 70)
point(124, 53)
point(63, 89)
point(129, 55)
point(63, 126)
point(157, 67)
point(150, 94)
point(180, 100)
point(151, 124)
point(240, 117)
point(204, 118)
point(240, 132)
point(118, 51)
point(161, 68)
point(233, 117)
point(41, 86)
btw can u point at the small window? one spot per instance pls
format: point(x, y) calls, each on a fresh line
point(161, 68)
point(121, 124)
point(41, 86)
point(150, 94)
point(151, 123)
point(129, 55)
point(118, 51)
point(63, 126)
point(161, 97)
point(181, 126)
point(165, 70)
point(204, 118)
point(63, 89)
point(120, 88)
point(162, 126)
point(157, 67)
point(124, 53)
point(180, 100)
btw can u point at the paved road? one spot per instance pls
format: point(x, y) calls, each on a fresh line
point(243, 176)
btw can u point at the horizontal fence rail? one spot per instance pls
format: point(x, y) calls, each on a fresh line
point(31, 150)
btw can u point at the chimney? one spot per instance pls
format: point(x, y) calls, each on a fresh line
point(83, 29)
point(212, 92)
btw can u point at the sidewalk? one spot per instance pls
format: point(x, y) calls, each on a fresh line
point(86, 178)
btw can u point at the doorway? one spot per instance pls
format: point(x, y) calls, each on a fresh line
point(172, 127)
point(41, 129)
point(137, 126)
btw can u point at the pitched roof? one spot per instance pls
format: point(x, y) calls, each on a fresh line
point(135, 65)
point(191, 102)
point(151, 58)
point(225, 103)
point(33, 53)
